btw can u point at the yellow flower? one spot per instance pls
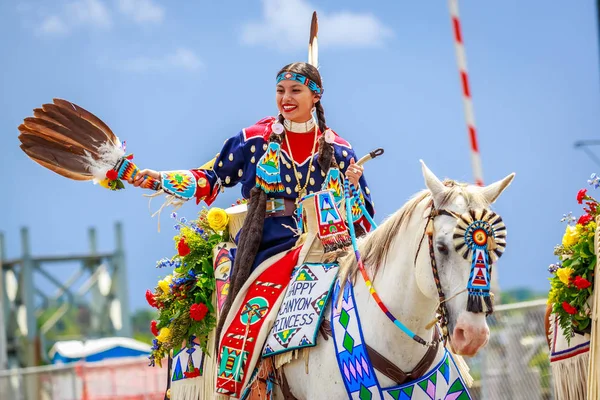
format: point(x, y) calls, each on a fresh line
point(104, 183)
point(564, 274)
point(552, 296)
point(164, 284)
point(591, 228)
point(164, 335)
point(571, 236)
point(217, 219)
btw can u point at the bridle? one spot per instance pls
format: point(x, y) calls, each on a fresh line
point(487, 228)
point(480, 234)
point(442, 311)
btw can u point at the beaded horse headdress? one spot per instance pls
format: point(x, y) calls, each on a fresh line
point(480, 235)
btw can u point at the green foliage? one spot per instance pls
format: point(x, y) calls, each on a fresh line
point(572, 279)
point(190, 287)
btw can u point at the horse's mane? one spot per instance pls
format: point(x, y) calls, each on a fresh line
point(375, 246)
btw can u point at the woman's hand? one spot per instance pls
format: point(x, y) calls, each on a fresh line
point(354, 172)
point(138, 179)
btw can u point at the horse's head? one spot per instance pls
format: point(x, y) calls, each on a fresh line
point(465, 237)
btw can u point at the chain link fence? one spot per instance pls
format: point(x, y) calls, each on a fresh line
point(515, 363)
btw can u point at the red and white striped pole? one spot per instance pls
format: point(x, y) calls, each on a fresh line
point(461, 59)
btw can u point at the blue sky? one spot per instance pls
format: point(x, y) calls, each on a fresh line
point(175, 79)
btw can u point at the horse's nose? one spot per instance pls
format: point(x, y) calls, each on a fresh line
point(459, 335)
point(470, 334)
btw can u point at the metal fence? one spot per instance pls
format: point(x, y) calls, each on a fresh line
point(515, 363)
point(123, 379)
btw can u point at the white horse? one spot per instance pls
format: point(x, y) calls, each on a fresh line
point(404, 279)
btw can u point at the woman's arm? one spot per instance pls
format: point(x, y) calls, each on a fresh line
point(204, 184)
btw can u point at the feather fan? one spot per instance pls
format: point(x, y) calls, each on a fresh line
point(74, 143)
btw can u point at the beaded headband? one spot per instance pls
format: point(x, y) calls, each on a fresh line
point(292, 76)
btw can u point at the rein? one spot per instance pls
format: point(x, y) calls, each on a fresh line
point(364, 273)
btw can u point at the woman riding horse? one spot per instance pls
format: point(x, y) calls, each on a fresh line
point(277, 161)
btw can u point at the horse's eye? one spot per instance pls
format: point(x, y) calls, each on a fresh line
point(442, 248)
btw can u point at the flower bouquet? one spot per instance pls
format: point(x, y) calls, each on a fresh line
point(184, 298)
point(572, 276)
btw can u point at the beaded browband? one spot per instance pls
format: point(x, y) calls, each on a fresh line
point(292, 76)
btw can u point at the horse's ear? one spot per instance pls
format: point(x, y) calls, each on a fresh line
point(493, 191)
point(435, 186)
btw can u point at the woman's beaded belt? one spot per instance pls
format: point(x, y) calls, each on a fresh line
point(281, 207)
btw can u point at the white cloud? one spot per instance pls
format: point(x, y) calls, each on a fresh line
point(186, 59)
point(68, 15)
point(182, 58)
point(89, 12)
point(351, 29)
point(285, 25)
point(53, 25)
point(142, 11)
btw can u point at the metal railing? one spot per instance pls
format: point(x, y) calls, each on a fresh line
point(123, 379)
